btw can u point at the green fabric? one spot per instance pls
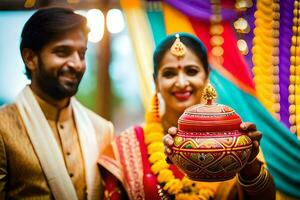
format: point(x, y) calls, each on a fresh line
point(280, 147)
point(157, 24)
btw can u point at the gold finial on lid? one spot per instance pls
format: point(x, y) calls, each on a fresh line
point(178, 49)
point(209, 94)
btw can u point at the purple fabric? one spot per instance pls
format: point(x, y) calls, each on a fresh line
point(200, 9)
point(286, 23)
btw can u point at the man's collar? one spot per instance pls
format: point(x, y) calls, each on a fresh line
point(53, 113)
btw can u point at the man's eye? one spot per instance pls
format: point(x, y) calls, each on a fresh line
point(82, 55)
point(192, 72)
point(62, 52)
point(168, 74)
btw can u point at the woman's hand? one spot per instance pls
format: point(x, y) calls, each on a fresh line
point(168, 141)
point(252, 168)
point(250, 130)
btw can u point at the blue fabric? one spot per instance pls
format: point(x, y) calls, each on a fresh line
point(157, 24)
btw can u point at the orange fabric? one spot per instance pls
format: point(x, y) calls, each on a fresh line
point(125, 4)
point(171, 15)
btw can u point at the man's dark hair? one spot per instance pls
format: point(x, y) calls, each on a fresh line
point(46, 24)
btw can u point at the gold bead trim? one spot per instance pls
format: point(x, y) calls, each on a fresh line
point(275, 61)
point(294, 98)
point(265, 54)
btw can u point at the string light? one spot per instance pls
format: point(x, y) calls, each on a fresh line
point(242, 26)
point(95, 21)
point(115, 21)
point(216, 30)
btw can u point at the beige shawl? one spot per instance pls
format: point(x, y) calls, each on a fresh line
point(48, 151)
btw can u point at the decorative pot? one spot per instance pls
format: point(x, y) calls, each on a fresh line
point(210, 145)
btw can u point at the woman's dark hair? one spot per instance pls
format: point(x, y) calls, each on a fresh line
point(190, 41)
point(47, 24)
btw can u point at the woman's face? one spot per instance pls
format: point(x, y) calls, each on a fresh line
point(181, 81)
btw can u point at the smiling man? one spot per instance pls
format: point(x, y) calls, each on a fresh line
point(49, 142)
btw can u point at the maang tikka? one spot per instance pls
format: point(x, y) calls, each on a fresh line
point(178, 49)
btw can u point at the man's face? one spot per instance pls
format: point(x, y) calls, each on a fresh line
point(61, 65)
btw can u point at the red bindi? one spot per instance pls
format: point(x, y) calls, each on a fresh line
point(179, 67)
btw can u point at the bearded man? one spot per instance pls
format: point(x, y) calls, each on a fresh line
point(49, 142)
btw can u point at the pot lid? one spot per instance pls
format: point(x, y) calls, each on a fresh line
point(209, 116)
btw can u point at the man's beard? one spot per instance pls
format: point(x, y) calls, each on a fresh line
point(50, 84)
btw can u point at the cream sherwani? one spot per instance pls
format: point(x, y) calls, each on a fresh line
point(46, 153)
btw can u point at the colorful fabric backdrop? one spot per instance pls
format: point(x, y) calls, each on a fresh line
point(260, 85)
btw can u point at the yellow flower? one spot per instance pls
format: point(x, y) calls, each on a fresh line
point(150, 127)
point(155, 147)
point(187, 182)
point(205, 194)
point(159, 165)
point(165, 175)
point(184, 189)
point(186, 196)
point(153, 137)
point(156, 156)
point(173, 186)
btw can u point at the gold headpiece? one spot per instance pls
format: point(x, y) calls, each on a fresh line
point(178, 48)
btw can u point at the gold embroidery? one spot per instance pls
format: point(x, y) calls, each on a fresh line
point(132, 163)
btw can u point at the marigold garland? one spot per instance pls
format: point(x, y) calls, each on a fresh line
point(182, 189)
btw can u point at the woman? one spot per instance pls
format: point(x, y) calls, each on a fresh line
point(137, 156)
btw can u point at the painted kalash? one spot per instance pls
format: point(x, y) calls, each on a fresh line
point(209, 145)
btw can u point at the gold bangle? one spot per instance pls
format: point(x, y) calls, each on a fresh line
point(256, 179)
point(257, 184)
point(260, 187)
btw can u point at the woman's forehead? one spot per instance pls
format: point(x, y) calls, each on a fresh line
point(189, 56)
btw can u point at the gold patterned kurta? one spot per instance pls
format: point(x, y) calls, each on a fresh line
point(21, 174)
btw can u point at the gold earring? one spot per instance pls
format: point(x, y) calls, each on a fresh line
point(153, 113)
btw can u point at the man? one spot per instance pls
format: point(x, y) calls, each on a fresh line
point(49, 142)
